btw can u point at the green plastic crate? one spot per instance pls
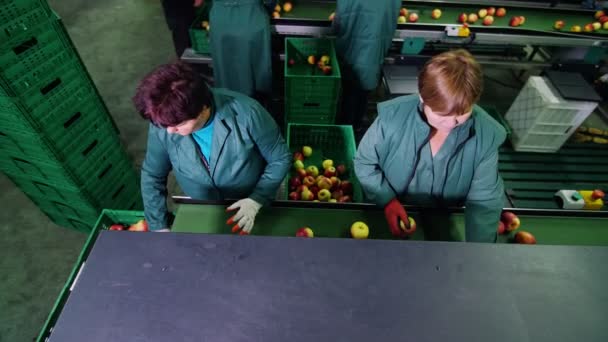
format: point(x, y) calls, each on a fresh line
point(199, 37)
point(308, 92)
point(42, 189)
point(328, 142)
point(71, 222)
point(18, 16)
point(83, 211)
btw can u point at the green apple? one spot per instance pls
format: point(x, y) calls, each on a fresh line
point(324, 195)
point(312, 171)
point(298, 165)
point(307, 151)
point(327, 163)
point(359, 230)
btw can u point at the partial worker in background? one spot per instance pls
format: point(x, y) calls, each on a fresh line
point(220, 145)
point(364, 33)
point(436, 149)
point(179, 15)
point(240, 46)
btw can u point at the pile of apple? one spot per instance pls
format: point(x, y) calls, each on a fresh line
point(509, 222)
point(309, 184)
point(139, 226)
point(205, 25)
point(487, 15)
point(405, 16)
point(323, 63)
point(287, 7)
point(601, 21)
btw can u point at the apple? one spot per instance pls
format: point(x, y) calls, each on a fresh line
point(596, 26)
point(314, 189)
point(559, 25)
point(277, 8)
point(324, 195)
point(405, 229)
point(291, 62)
point(576, 28)
point(324, 183)
point(307, 195)
point(501, 228)
point(462, 18)
point(588, 28)
point(488, 20)
point(482, 13)
point(298, 164)
point(325, 59)
point(205, 24)
point(139, 226)
point(308, 181)
point(305, 232)
point(327, 163)
point(525, 238)
point(327, 70)
point(332, 16)
point(472, 18)
point(117, 226)
point(287, 7)
point(301, 188)
point(330, 172)
point(359, 230)
point(301, 173)
point(294, 196)
point(501, 12)
point(333, 200)
point(603, 19)
point(312, 60)
point(335, 182)
point(344, 199)
point(401, 20)
point(346, 187)
point(341, 169)
point(413, 17)
point(605, 26)
point(307, 150)
point(403, 12)
point(599, 14)
point(510, 220)
point(312, 171)
point(276, 15)
point(436, 14)
point(514, 22)
point(337, 194)
point(294, 183)
point(597, 194)
point(522, 19)
point(298, 156)
point(491, 11)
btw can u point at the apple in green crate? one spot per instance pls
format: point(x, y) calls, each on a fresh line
point(307, 195)
point(294, 183)
point(324, 195)
point(337, 194)
point(330, 172)
point(324, 183)
point(305, 232)
point(301, 173)
point(298, 156)
point(117, 226)
point(294, 196)
point(307, 150)
point(341, 170)
point(298, 164)
point(344, 199)
point(308, 181)
point(327, 163)
point(312, 171)
point(139, 226)
point(346, 187)
point(335, 182)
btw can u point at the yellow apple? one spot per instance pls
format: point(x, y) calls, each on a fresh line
point(359, 230)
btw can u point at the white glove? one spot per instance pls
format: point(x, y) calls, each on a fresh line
point(164, 230)
point(245, 217)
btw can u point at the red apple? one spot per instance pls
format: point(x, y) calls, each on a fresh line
point(501, 228)
point(327, 70)
point(276, 15)
point(510, 220)
point(413, 17)
point(117, 226)
point(305, 232)
point(291, 62)
point(139, 226)
point(597, 194)
point(462, 18)
point(294, 196)
point(301, 188)
point(314, 189)
point(346, 187)
point(599, 14)
point(604, 19)
point(301, 173)
point(514, 22)
point(294, 183)
point(488, 20)
point(588, 28)
point(309, 181)
point(298, 156)
point(501, 12)
point(491, 11)
point(335, 182)
point(337, 194)
point(525, 238)
point(344, 199)
point(559, 25)
point(330, 172)
point(403, 12)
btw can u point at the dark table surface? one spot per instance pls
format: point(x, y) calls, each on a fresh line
point(199, 287)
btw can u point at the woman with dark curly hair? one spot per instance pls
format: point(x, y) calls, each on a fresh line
point(220, 145)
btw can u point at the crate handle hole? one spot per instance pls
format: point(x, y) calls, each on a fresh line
point(28, 44)
point(117, 192)
point(72, 119)
point(90, 148)
point(104, 172)
point(52, 85)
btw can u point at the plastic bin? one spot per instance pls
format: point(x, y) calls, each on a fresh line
point(199, 36)
point(19, 16)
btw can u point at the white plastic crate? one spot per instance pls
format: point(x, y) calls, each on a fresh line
point(541, 120)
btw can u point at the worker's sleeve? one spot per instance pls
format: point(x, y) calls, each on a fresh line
point(271, 145)
point(154, 172)
point(367, 166)
point(484, 201)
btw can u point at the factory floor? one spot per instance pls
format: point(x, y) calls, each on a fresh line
point(119, 42)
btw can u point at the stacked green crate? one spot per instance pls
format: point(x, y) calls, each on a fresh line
point(311, 97)
point(58, 142)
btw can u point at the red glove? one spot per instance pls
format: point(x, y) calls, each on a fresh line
point(395, 214)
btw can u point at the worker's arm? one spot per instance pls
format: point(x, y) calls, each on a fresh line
point(154, 172)
point(271, 145)
point(367, 166)
point(484, 201)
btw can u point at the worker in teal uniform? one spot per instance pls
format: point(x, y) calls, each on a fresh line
point(364, 33)
point(240, 46)
point(436, 149)
point(220, 145)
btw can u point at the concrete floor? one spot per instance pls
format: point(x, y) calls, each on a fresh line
point(119, 42)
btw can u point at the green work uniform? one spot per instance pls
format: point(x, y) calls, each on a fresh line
point(394, 160)
point(364, 34)
point(249, 158)
point(240, 46)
